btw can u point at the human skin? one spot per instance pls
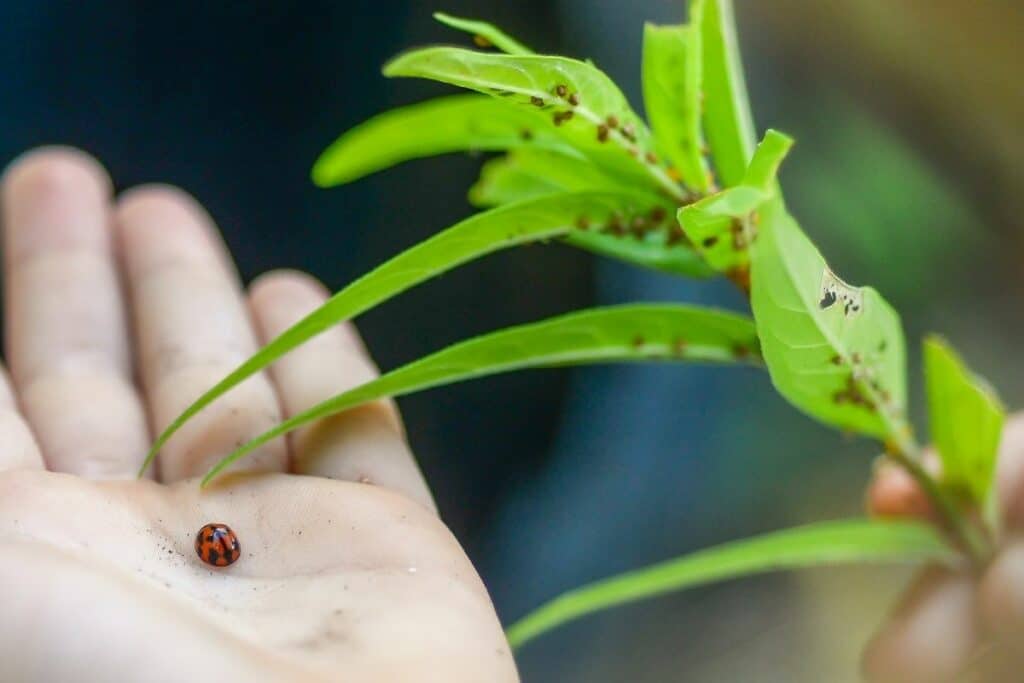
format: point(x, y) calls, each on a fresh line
point(956, 626)
point(118, 313)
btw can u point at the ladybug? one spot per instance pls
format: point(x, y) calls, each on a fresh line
point(217, 545)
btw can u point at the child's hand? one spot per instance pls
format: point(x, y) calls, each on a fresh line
point(117, 316)
point(950, 625)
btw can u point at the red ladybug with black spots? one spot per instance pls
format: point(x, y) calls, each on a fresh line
point(217, 545)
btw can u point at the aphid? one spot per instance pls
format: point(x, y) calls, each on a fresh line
point(614, 225)
point(574, 99)
point(679, 347)
point(674, 174)
point(526, 134)
point(638, 226)
point(602, 133)
point(583, 223)
point(217, 545)
point(561, 90)
point(657, 214)
point(651, 158)
point(709, 242)
point(562, 116)
point(740, 352)
point(537, 101)
point(629, 132)
point(481, 41)
point(638, 342)
point(612, 122)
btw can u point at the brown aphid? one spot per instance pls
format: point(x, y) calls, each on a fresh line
point(612, 122)
point(614, 225)
point(657, 214)
point(836, 360)
point(674, 174)
point(675, 236)
point(651, 158)
point(709, 242)
point(561, 90)
point(740, 276)
point(740, 352)
point(679, 347)
point(561, 117)
point(537, 101)
point(526, 134)
point(574, 99)
point(602, 133)
point(583, 223)
point(638, 226)
point(481, 41)
point(638, 342)
point(629, 132)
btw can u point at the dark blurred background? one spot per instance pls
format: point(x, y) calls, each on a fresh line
point(910, 149)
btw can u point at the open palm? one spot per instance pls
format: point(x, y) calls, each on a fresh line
point(117, 316)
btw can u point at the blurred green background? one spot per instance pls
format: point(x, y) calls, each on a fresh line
point(908, 117)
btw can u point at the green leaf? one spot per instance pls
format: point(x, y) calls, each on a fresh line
point(721, 226)
point(727, 119)
point(672, 73)
point(642, 332)
point(834, 351)
point(528, 173)
point(814, 545)
point(578, 99)
point(651, 240)
point(540, 219)
point(662, 248)
point(447, 124)
point(966, 420)
point(484, 34)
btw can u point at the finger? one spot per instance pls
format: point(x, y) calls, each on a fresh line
point(931, 636)
point(365, 444)
point(894, 493)
point(18, 449)
point(1010, 471)
point(67, 338)
point(1001, 593)
point(193, 329)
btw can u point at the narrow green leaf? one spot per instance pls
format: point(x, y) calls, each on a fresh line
point(966, 419)
point(659, 249)
point(814, 545)
point(577, 98)
point(540, 219)
point(672, 74)
point(456, 123)
point(728, 123)
point(834, 351)
point(528, 173)
point(485, 34)
point(722, 225)
point(651, 241)
point(642, 332)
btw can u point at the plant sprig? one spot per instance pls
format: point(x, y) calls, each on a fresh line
point(582, 168)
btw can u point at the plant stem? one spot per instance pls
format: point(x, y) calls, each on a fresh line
point(907, 454)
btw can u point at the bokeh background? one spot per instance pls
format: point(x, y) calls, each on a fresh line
point(909, 117)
